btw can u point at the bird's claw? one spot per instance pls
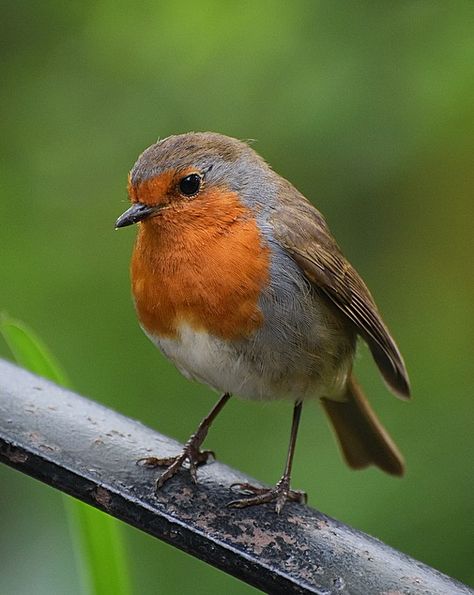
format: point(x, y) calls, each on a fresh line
point(281, 493)
point(190, 455)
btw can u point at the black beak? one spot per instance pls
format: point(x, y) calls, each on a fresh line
point(137, 212)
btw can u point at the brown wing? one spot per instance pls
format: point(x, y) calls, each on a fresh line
point(302, 231)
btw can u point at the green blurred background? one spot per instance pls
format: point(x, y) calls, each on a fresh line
point(368, 108)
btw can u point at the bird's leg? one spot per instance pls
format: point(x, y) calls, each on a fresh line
point(191, 451)
point(281, 493)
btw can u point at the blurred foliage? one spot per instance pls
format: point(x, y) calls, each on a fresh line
point(97, 538)
point(368, 109)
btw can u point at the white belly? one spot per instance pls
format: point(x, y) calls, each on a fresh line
point(200, 356)
point(233, 367)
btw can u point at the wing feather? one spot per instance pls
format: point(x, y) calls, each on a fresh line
point(302, 231)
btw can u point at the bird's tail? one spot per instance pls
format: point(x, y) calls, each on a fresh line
point(362, 438)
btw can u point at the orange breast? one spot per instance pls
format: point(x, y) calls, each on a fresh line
point(201, 262)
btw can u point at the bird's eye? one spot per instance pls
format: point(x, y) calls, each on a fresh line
point(190, 185)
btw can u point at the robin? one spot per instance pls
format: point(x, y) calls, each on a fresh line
point(239, 282)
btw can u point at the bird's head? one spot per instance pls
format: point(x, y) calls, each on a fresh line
point(195, 168)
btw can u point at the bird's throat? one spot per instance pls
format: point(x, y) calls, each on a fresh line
point(204, 265)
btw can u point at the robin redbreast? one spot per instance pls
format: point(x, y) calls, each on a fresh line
point(238, 281)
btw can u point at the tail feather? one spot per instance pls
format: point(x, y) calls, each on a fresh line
point(362, 438)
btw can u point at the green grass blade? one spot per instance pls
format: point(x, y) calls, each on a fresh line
point(100, 551)
point(97, 538)
point(30, 352)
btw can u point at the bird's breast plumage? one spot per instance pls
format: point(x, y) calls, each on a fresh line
point(230, 308)
point(204, 265)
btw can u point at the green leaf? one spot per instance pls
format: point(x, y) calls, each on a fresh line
point(97, 538)
point(100, 550)
point(30, 352)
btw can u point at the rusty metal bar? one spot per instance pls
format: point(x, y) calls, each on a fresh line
point(89, 452)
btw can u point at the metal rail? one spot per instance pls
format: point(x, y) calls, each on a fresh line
point(89, 452)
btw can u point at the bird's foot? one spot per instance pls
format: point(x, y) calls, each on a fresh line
point(190, 455)
point(281, 494)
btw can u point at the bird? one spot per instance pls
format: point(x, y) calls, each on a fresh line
point(237, 279)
